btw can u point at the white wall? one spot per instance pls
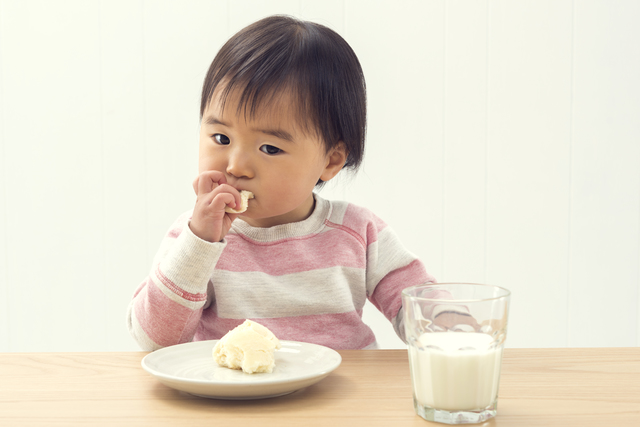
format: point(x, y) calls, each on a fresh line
point(516, 124)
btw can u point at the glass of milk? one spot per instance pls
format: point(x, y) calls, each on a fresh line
point(455, 333)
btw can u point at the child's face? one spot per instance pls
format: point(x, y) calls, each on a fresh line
point(268, 155)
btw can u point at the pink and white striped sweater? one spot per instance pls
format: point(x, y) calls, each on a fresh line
point(305, 281)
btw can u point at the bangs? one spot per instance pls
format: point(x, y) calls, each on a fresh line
point(259, 98)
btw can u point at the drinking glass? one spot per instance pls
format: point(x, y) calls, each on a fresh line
point(455, 333)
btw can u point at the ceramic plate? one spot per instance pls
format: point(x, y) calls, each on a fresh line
point(190, 367)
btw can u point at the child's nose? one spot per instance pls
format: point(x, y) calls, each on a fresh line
point(239, 165)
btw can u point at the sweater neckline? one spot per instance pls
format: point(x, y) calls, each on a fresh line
point(312, 225)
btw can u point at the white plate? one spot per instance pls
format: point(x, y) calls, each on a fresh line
point(190, 367)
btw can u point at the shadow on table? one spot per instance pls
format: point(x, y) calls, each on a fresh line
point(326, 393)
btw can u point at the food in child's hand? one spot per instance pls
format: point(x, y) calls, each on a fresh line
point(245, 196)
point(249, 346)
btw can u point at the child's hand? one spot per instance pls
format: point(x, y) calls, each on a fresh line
point(209, 221)
point(449, 319)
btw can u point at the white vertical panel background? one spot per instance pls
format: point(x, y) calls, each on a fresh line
point(503, 146)
point(465, 134)
point(124, 151)
point(605, 175)
point(528, 163)
point(4, 285)
point(54, 175)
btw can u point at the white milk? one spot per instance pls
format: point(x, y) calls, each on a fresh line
point(447, 378)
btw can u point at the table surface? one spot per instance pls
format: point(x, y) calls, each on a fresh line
point(538, 387)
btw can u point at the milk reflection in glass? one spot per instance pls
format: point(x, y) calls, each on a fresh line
point(455, 333)
point(455, 371)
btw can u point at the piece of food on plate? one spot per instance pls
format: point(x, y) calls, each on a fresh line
point(249, 346)
point(244, 196)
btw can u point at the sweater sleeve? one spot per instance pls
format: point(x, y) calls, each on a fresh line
point(167, 306)
point(392, 268)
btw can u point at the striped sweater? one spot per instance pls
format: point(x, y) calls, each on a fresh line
point(306, 281)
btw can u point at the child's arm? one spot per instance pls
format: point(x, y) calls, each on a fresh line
point(167, 306)
point(456, 317)
point(444, 317)
point(390, 269)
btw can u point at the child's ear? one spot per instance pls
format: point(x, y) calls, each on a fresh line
point(335, 162)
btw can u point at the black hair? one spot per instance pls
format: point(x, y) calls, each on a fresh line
point(312, 62)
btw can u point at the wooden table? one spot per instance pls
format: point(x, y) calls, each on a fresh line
point(541, 387)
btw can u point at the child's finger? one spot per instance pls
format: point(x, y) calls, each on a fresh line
point(221, 200)
point(195, 184)
point(209, 180)
point(226, 188)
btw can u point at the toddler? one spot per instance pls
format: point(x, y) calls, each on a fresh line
point(283, 110)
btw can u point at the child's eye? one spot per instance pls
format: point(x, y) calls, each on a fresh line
point(221, 139)
point(270, 149)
